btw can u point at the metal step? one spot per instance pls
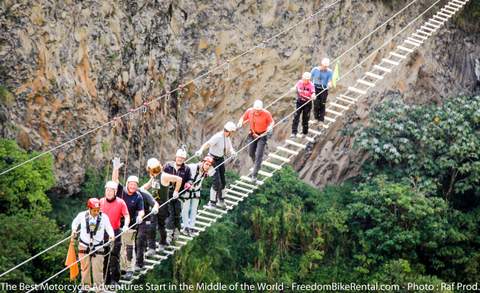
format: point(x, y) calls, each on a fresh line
point(369, 84)
point(423, 32)
point(419, 36)
point(240, 182)
point(271, 165)
point(416, 44)
point(444, 14)
point(207, 213)
point(186, 237)
point(200, 217)
point(266, 174)
point(439, 23)
point(371, 74)
point(246, 178)
point(355, 90)
point(441, 19)
point(327, 110)
point(405, 49)
point(434, 25)
point(460, 2)
point(447, 9)
point(155, 262)
point(384, 69)
point(231, 203)
point(390, 61)
point(233, 197)
point(398, 55)
point(454, 5)
point(231, 191)
point(203, 223)
point(345, 100)
point(348, 98)
point(296, 144)
point(426, 28)
point(289, 151)
point(157, 256)
point(241, 188)
point(338, 106)
point(215, 209)
point(315, 132)
point(329, 119)
point(309, 139)
point(278, 157)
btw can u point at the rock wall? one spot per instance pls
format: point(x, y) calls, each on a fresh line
point(71, 66)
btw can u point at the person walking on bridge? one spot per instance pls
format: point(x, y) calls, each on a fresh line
point(305, 94)
point(322, 79)
point(261, 125)
point(219, 146)
point(90, 227)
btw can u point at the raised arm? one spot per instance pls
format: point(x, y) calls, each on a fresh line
point(116, 167)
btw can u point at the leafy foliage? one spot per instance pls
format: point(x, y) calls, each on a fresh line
point(24, 187)
point(436, 148)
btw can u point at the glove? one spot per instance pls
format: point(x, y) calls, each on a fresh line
point(188, 186)
point(155, 210)
point(198, 153)
point(139, 220)
point(175, 195)
point(116, 163)
point(124, 228)
point(239, 124)
point(233, 153)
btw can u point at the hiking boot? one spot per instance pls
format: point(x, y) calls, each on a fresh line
point(299, 135)
point(150, 252)
point(185, 231)
point(138, 268)
point(212, 204)
point(293, 135)
point(175, 234)
point(161, 247)
point(128, 276)
point(221, 204)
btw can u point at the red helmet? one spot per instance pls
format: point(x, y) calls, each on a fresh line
point(93, 203)
point(208, 159)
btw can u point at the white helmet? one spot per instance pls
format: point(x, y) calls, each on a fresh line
point(132, 178)
point(111, 184)
point(181, 153)
point(325, 62)
point(306, 75)
point(230, 126)
point(154, 167)
point(152, 163)
point(258, 105)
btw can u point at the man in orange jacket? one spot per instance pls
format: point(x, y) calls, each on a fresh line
point(261, 123)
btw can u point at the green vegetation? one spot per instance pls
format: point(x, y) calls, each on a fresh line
point(6, 97)
point(26, 230)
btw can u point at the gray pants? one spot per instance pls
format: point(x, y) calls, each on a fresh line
point(256, 150)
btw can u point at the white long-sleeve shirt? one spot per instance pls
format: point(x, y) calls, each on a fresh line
point(220, 145)
point(104, 226)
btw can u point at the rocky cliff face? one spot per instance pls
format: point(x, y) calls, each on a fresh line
point(69, 66)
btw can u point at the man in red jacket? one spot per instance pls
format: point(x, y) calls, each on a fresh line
point(261, 123)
